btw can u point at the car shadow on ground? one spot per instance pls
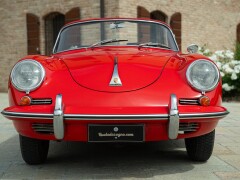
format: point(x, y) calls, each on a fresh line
point(99, 160)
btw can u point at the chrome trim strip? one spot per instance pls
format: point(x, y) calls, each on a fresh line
point(89, 116)
point(114, 19)
point(188, 101)
point(173, 126)
point(204, 115)
point(42, 100)
point(115, 80)
point(27, 115)
point(115, 116)
point(58, 124)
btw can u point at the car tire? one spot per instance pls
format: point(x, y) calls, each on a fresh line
point(34, 151)
point(200, 148)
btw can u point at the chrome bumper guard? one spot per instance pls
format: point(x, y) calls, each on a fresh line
point(59, 117)
point(173, 126)
point(58, 124)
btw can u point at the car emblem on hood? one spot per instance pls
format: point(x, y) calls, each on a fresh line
point(115, 80)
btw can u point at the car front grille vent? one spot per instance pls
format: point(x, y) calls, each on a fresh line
point(188, 127)
point(188, 101)
point(39, 101)
point(43, 128)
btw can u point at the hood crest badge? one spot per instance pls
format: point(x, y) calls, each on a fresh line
point(115, 81)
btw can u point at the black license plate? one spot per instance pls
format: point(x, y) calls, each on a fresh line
point(115, 133)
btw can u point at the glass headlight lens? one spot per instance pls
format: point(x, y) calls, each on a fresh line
point(27, 75)
point(203, 75)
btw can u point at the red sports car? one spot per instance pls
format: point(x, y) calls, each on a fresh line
point(115, 80)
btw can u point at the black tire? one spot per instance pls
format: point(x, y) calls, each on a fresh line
point(34, 151)
point(200, 148)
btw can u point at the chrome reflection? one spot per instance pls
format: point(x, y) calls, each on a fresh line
point(115, 80)
point(173, 126)
point(58, 124)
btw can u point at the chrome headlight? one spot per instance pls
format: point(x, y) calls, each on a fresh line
point(203, 75)
point(27, 75)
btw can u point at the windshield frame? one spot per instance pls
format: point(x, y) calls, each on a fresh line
point(113, 19)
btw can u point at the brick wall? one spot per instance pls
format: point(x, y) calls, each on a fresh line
point(203, 22)
point(13, 29)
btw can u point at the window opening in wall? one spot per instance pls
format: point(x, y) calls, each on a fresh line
point(176, 25)
point(53, 23)
point(33, 33)
point(238, 33)
point(158, 15)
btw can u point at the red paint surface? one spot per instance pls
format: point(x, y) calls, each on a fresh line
point(137, 69)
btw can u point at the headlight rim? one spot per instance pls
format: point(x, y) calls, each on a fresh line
point(27, 90)
point(192, 84)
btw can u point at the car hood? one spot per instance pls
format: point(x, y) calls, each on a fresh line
point(137, 68)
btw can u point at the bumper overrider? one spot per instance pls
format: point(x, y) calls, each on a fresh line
point(59, 117)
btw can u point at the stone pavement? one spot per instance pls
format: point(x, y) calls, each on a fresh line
point(162, 160)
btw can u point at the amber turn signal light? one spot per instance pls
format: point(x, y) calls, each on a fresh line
point(204, 101)
point(25, 101)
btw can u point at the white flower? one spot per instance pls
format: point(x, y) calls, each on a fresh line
point(200, 49)
point(226, 87)
point(229, 54)
point(237, 69)
point(219, 64)
point(206, 51)
point(227, 68)
point(233, 76)
point(235, 62)
point(222, 74)
point(213, 57)
point(220, 54)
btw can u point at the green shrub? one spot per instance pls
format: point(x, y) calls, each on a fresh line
point(237, 51)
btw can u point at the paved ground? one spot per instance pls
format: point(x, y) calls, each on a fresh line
point(163, 160)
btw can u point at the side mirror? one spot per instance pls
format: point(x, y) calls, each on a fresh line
point(193, 48)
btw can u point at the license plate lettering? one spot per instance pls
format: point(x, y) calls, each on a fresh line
point(115, 133)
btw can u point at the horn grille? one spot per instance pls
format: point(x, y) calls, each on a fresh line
point(43, 128)
point(188, 127)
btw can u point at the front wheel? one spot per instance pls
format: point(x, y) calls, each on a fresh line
point(34, 151)
point(200, 148)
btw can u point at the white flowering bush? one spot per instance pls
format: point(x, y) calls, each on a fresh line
point(229, 69)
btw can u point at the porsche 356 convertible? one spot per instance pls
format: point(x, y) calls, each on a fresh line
point(115, 80)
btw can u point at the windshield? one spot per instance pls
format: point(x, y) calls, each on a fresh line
point(115, 32)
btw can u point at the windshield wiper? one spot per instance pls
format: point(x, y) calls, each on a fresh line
point(153, 44)
point(106, 42)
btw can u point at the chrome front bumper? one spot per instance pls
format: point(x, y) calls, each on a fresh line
point(59, 117)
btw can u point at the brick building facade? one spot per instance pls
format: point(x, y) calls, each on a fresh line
point(30, 26)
